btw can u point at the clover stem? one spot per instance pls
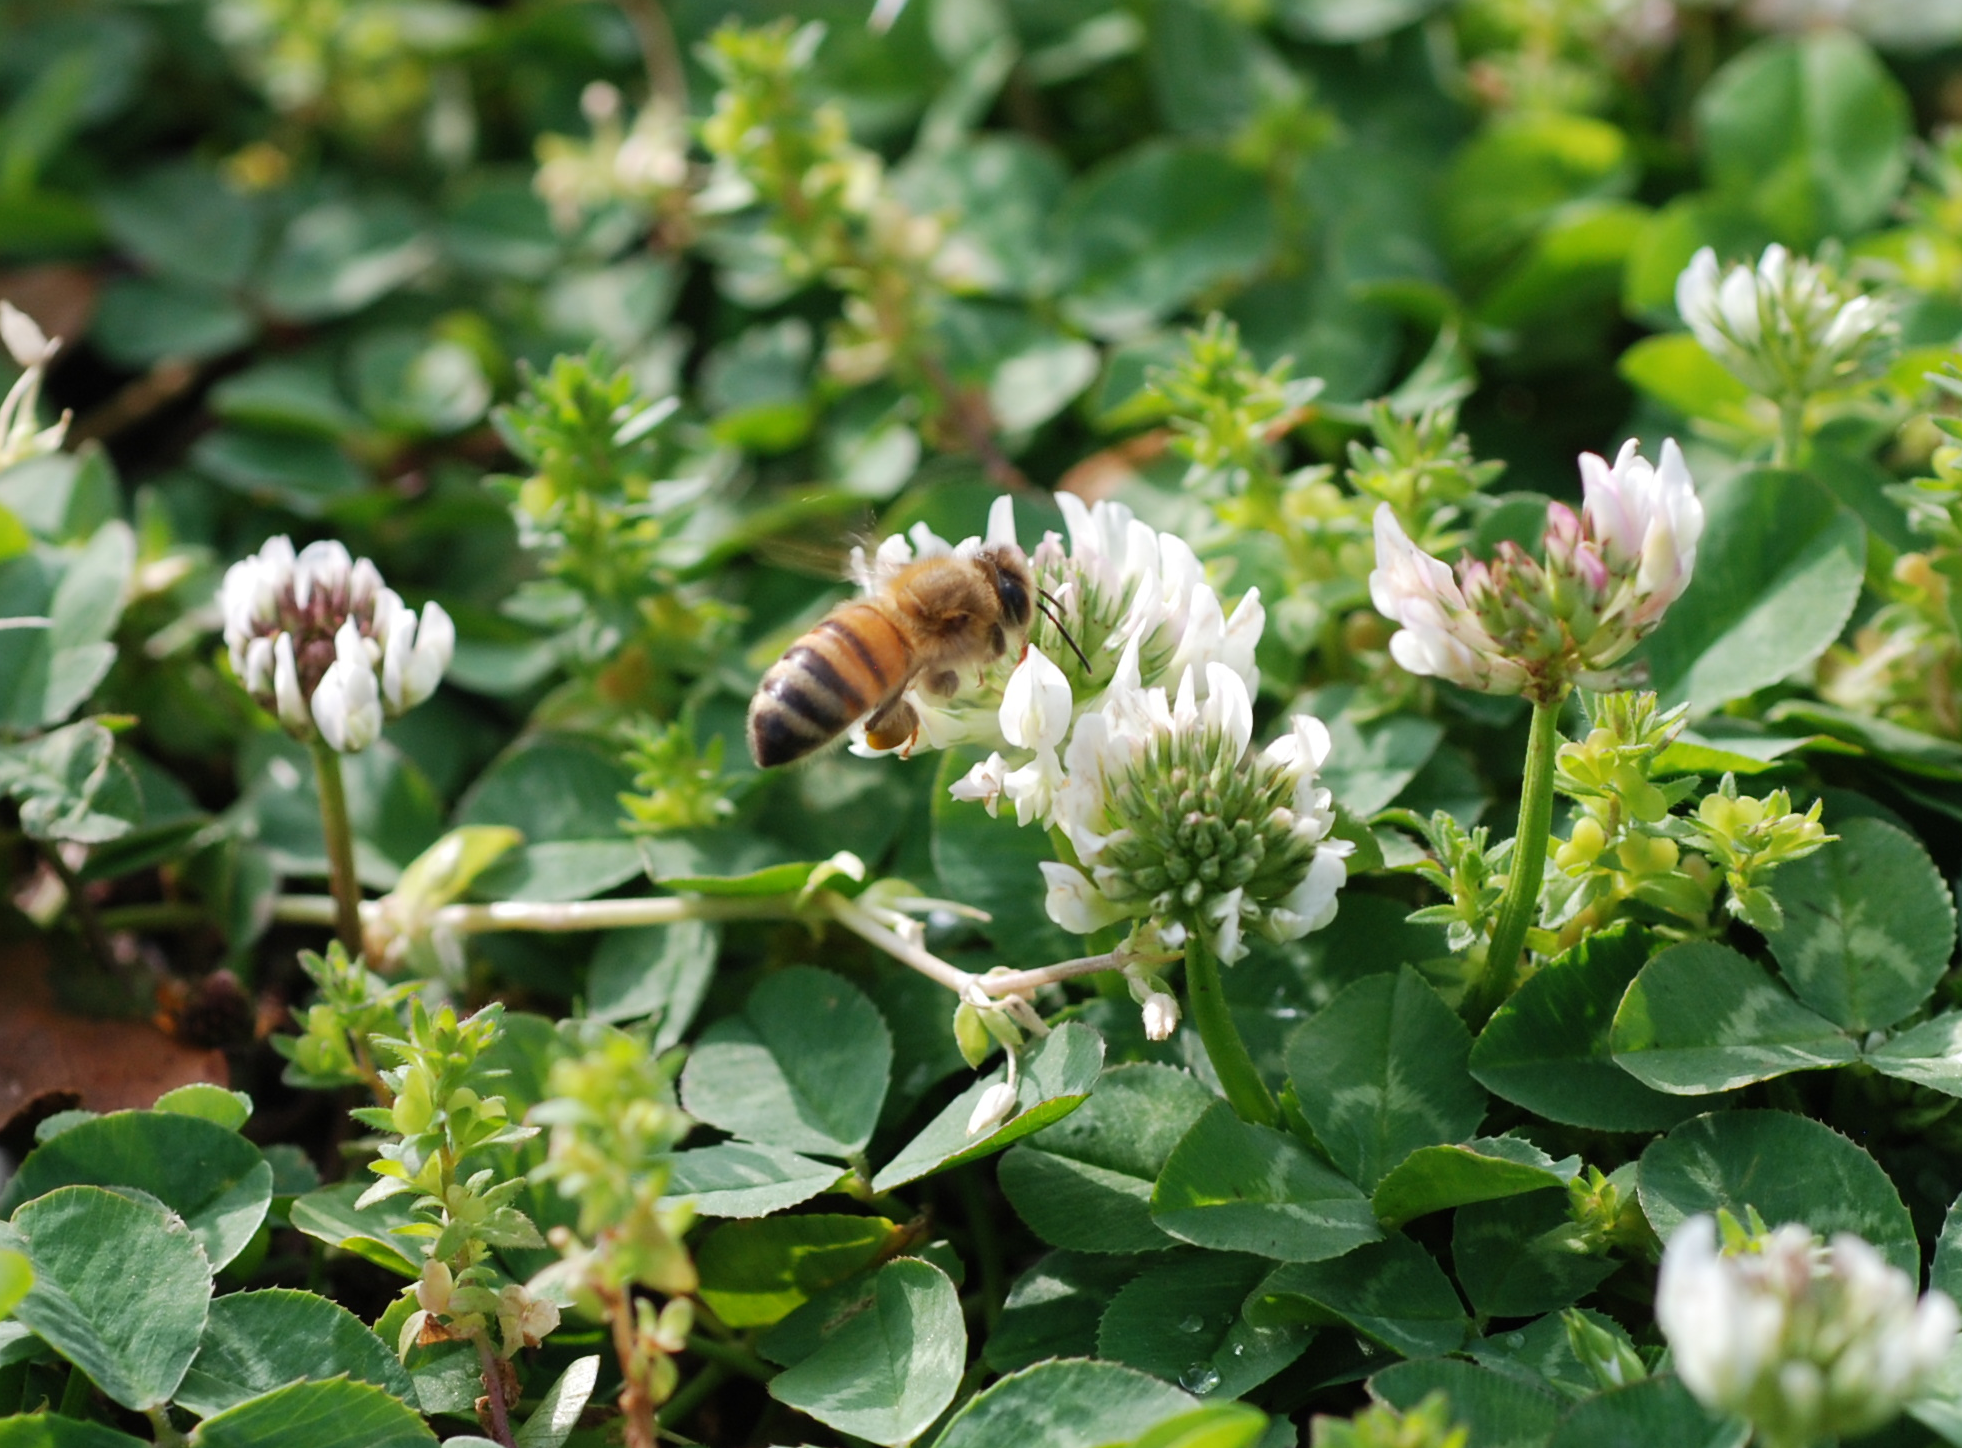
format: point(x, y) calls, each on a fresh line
point(1791, 432)
point(1523, 872)
point(339, 834)
point(1231, 1061)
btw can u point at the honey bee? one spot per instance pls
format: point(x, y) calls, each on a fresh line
point(931, 620)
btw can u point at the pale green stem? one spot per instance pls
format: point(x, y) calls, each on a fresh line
point(161, 1430)
point(578, 915)
point(1523, 872)
point(1791, 433)
point(1232, 1062)
point(339, 834)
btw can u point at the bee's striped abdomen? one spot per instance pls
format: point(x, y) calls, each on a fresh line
point(850, 663)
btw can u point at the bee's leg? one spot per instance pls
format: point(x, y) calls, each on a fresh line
point(944, 683)
point(892, 725)
point(997, 642)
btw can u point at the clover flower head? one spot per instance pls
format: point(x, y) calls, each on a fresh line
point(1522, 625)
point(21, 435)
point(317, 638)
point(1787, 328)
point(1176, 821)
point(1117, 582)
point(1810, 1341)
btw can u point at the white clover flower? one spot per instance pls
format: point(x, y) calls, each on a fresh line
point(21, 435)
point(1809, 1341)
point(996, 1105)
point(1181, 825)
point(983, 784)
point(1520, 625)
point(1161, 1016)
point(320, 640)
point(1786, 329)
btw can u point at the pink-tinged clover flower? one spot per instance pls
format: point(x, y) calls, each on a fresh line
point(321, 642)
point(1521, 625)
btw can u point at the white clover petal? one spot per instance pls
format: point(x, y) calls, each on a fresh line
point(415, 656)
point(24, 338)
point(1161, 1016)
point(1037, 705)
point(1228, 709)
point(324, 566)
point(257, 671)
point(289, 703)
point(347, 707)
point(983, 783)
point(1001, 523)
point(1074, 903)
point(1244, 628)
point(1224, 914)
point(1034, 787)
point(996, 1105)
point(1312, 905)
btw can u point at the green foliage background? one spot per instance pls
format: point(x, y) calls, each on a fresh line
point(380, 270)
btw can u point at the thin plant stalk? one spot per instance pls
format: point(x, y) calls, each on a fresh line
point(500, 1416)
point(339, 833)
point(1525, 869)
point(1232, 1062)
point(583, 915)
point(1791, 433)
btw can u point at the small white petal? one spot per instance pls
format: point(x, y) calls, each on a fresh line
point(1001, 522)
point(257, 673)
point(1074, 903)
point(23, 336)
point(982, 783)
point(1161, 1016)
point(1036, 705)
point(996, 1105)
point(288, 701)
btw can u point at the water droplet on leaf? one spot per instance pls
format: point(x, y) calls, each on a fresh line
point(1199, 1379)
point(1191, 1322)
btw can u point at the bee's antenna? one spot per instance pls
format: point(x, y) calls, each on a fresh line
point(1048, 604)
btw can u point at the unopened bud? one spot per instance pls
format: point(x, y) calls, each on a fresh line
point(996, 1105)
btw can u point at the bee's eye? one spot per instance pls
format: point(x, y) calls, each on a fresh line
point(1016, 605)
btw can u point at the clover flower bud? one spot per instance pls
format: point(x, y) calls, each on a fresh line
point(1787, 329)
point(317, 638)
point(21, 435)
point(1522, 625)
point(1161, 1016)
point(1811, 1342)
point(996, 1105)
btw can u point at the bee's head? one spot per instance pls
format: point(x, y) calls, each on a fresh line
point(1014, 583)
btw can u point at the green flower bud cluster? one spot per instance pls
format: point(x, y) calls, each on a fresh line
point(614, 1125)
point(1749, 838)
point(1226, 413)
point(1610, 1359)
point(1423, 467)
point(1604, 1207)
point(1428, 1425)
point(1196, 826)
point(354, 1006)
point(676, 786)
point(1470, 872)
point(1625, 847)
